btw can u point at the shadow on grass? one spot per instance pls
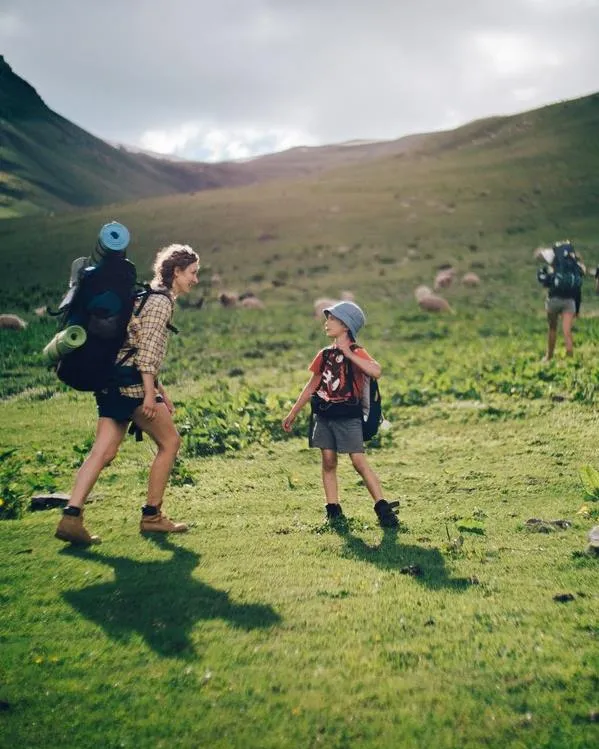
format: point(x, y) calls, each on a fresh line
point(160, 600)
point(426, 565)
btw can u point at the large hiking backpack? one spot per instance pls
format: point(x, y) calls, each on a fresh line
point(101, 302)
point(567, 273)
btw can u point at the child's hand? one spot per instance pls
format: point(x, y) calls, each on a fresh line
point(288, 422)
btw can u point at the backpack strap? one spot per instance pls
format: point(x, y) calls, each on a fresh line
point(145, 295)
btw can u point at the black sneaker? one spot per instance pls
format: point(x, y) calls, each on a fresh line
point(387, 513)
point(334, 511)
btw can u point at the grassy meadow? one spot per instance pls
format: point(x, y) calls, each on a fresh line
point(475, 624)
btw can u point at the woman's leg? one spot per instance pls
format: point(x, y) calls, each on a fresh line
point(162, 430)
point(164, 433)
point(567, 321)
point(329, 475)
point(109, 435)
point(551, 334)
point(371, 480)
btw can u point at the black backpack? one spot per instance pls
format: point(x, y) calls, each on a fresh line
point(374, 416)
point(101, 301)
point(566, 279)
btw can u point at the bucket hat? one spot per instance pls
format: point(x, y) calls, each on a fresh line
point(350, 315)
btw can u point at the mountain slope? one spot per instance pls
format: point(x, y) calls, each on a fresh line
point(49, 164)
point(484, 194)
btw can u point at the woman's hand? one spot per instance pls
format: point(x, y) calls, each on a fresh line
point(148, 407)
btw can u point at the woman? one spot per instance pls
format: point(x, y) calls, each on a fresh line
point(140, 398)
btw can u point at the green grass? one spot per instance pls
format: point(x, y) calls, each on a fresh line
point(262, 627)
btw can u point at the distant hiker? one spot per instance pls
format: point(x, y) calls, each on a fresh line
point(562, 277)
point(137, 396)
point(335, 390)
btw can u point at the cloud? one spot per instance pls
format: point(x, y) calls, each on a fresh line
point(197, 77)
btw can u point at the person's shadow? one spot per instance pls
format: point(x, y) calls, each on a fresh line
point(160, 600)
point(425, 565)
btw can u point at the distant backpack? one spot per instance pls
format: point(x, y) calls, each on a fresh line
point(101, 301)
point(567, 274)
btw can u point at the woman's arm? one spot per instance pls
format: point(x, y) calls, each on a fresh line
point(148, 407)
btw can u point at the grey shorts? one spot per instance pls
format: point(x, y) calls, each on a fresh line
point(555, 305)
point(341, 435)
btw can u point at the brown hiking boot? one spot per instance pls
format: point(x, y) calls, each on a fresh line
point(72, 530)
point(159, 523)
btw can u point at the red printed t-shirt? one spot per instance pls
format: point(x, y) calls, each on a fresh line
point(334, 386)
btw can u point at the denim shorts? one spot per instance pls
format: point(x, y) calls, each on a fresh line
point(113, 405)
point(341, 435)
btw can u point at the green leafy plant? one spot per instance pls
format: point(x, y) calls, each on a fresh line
point(224, 421)
point(589, 477)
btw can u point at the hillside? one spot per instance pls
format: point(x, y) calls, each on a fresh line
point(49, 164)
point(484, 194)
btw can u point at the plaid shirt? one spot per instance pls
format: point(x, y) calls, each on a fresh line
point(148, 334)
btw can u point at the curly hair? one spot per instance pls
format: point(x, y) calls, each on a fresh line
point(169, 258)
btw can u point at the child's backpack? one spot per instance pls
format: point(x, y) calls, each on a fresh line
point(567, 273)
point(372, 418)
point(100, 300)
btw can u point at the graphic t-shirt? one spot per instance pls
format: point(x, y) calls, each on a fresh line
point(336, 385)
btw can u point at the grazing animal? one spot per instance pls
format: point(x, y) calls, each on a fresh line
point(434, 303)
point(471, 279)
point(252, 302)
point(228, 299)
point(444, 279)
point(12, 322)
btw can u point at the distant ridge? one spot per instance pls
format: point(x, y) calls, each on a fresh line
point(49, 164)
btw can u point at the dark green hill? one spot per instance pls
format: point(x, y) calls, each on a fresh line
point(481, 197)
point(49, 164)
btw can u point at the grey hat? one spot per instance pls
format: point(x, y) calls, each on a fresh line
point(349, 314)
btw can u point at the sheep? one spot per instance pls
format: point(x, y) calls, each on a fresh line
point(434, 303)
point(216, 280)
point(12, 322)
point(321, 304)
point(228, 298)
point(444, 279)
point(40, 311)
point(471, 279)
point(347, 296)
point(421, 292)
point(252, 302)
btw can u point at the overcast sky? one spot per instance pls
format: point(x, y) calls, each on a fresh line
point(218, 79)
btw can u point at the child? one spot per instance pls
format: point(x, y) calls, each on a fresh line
point(139, 398)
point(335, 389)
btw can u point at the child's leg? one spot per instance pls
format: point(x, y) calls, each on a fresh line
point(371, 480)
point(329, 476)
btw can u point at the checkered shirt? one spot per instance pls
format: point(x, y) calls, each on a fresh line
point(148, 334)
